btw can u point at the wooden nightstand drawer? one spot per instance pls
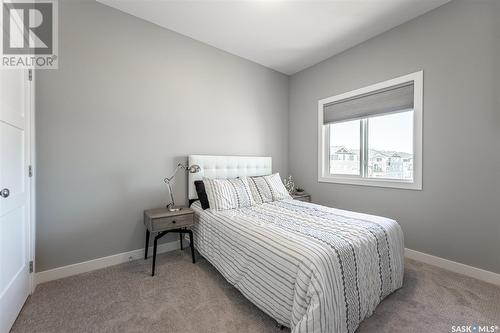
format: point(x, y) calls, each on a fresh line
point(173, 222)
point(162, 219)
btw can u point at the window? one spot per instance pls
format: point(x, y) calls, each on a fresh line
point(373, 136)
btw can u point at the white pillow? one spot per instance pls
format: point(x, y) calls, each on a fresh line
point(225, 194)
point(268, 188)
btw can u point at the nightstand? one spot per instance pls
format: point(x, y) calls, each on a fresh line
point(161, 221)
point(302, 196)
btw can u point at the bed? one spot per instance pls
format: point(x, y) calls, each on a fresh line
point(310, 267)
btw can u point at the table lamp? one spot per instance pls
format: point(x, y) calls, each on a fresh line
point(191, 169)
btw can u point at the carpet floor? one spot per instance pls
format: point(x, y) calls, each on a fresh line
point(183, 297)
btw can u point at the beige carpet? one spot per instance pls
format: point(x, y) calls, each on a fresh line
point(183, 297)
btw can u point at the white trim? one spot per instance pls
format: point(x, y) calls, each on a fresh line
point(87, 266)
point(377, 182)
point(456, 267)
point(32, 182)
point(323, 163)
point(91, 265)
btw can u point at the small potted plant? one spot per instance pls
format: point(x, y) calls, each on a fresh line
point(291, 187)
point(289, 184)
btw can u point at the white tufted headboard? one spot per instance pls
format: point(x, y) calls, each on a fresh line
point(227, 167)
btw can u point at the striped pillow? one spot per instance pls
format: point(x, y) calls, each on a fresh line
point(268, 188)
point(228, 193)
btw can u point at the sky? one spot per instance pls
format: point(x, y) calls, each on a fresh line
point(392, 132)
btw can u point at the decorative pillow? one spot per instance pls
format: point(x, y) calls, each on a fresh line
point(202, 195)
point(268, 188)
point(228, 193)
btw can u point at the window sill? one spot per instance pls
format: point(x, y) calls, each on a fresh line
point(414, 185)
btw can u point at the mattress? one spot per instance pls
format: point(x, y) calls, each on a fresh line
point(310, 267)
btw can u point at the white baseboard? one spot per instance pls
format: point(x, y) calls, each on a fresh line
point(453, 266)
point(87, 266)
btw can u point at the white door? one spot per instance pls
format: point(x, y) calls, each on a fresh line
point(15, 102)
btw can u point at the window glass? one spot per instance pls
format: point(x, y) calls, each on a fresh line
point(345, 148)
point(390, 146)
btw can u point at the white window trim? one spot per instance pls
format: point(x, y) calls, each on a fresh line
point(324, 147)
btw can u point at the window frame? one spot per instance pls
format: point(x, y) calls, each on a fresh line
point(324, 175)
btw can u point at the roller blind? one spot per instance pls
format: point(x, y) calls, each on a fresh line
point(396, 98)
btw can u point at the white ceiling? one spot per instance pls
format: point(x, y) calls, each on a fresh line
point(287, 36)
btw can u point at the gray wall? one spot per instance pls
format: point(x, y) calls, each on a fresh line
point(129, 101)
point(457, 215)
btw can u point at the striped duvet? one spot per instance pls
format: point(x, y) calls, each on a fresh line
point(310, 267)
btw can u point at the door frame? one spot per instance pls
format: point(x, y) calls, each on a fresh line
point(31, 147)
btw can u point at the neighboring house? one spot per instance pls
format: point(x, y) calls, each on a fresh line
point(381, 164)
point(345, 161)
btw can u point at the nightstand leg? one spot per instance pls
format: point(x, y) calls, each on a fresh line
point(154, 255)
point(147, 245)
point(191, 243)
point(180, 236)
